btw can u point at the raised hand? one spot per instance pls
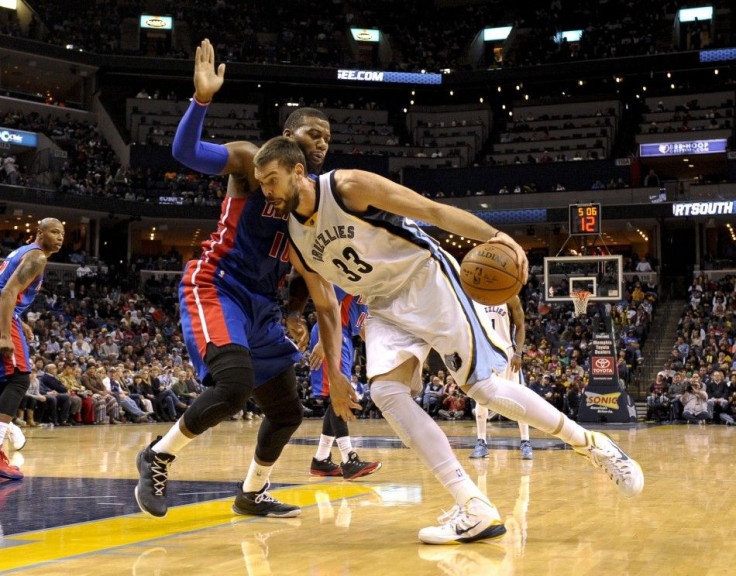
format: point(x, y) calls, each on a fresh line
point(207, 81)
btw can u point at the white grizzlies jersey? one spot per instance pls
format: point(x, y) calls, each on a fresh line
point(501, 323)
point(371, 254)
point(411, 286)
point(500, 317)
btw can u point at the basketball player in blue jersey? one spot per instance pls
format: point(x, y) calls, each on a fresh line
point(353, 313)
point(230, 313)
point(21, 277)
point(357, 230)
point(507, 322)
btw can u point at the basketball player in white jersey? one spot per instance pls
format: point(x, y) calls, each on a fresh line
point(356, 229)
point(513, 341)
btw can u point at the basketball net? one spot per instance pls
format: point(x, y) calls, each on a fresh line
point(580, 300)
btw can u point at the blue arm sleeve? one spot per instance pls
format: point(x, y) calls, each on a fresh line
point(190, 150)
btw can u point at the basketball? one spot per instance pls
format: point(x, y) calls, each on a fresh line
point(489, 274)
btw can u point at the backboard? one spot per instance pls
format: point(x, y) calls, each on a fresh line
point(600, 275)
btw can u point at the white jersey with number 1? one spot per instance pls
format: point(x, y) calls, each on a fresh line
point(500, 317)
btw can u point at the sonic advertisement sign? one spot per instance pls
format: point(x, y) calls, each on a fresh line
point(604, 400)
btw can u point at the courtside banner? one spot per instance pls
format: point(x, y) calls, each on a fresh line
point(603, 399)
point(394, 77)
point(663, 149)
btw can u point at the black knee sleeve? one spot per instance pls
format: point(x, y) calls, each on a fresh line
point(12, 392)
point(282, 411)
point(333, 425)
point(231, 371)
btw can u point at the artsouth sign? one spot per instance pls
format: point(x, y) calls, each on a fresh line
point(680, 209)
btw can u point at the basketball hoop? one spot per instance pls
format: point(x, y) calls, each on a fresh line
point(580, 300)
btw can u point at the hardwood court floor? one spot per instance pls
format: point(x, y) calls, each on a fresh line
point(75, 513)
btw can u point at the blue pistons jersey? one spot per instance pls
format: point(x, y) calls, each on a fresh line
point(8, 267)
point(250, 245)
point(20, 360)
point(230, 294)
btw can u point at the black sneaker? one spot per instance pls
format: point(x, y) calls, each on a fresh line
point(355, 468)
point(150, 492)
point(261, 503)
point(325, 467)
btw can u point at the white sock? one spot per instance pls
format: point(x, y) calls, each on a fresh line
point(345, 446)
point(524, 431)
point(521, 404)
point(481, 421)
point(324, 447)
point(451, 475)
point(3, 432)
point(257, 477)
point(173, 441)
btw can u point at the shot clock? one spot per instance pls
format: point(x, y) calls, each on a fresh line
point(585, 219)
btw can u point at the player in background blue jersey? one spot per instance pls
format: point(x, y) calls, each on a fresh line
point(334, 429)
point(21, 277)
point(230, 313)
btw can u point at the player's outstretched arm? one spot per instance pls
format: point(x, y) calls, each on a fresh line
point(360, 189)
point(342, 395)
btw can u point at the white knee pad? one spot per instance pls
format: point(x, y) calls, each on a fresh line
point(412, 424)
point(391, 397)
point(499, 395)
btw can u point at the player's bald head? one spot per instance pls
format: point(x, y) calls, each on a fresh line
point(47, 223)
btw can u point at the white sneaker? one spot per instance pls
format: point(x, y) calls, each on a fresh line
point(475, 520)
point(623, 470)
point(16, 436)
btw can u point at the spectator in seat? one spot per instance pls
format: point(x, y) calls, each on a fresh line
point(81, 347)
point(643, 265)
point(695, 403)
point(658, 405)
point(119, 389)
point(453, 405)
point(719, 393)
point(68, 404)
point(432, 397)
point(107, 408)
point(138, 391)
point(69, 377)
point(109, 349)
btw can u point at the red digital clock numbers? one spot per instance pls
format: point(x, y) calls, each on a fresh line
point(585, 219)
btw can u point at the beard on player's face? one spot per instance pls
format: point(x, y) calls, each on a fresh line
point(290, 201)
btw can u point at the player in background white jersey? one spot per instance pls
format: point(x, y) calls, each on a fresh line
point(502, 318)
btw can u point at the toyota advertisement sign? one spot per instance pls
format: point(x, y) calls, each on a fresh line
point(604, 400)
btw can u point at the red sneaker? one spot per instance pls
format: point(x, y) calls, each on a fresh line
point(357, 468)
point(8, 471)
